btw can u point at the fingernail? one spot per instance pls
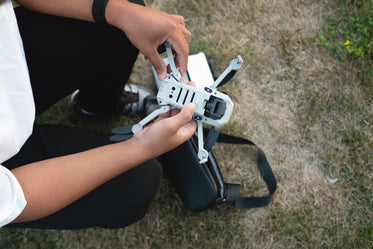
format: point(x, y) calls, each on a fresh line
point(192, 105)
point(162, 75)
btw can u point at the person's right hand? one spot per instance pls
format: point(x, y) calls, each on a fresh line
point(167, 132)
point(170, 130)
point(147, 29)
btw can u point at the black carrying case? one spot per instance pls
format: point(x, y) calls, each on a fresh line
point(201, 186)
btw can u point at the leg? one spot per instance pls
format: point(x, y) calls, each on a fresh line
point(65, 54)
point(117, 203)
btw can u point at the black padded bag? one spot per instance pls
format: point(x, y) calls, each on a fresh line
point(201, 186)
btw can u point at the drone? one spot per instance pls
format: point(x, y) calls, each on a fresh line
point(212, 107)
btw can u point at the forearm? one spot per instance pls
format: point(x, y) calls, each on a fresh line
point(146, 28)
point(53, 184)
point(82, 9)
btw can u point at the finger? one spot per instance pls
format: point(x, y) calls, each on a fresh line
point(188, 129)
point(184, 116)
point(181, 58)
point(190, 83)
point(184, 30)
point(179, 19)
point(164, 115)
point(175, 112)
point(158, 64)
point(168, 114)
point(169, 68)
point(186, 34)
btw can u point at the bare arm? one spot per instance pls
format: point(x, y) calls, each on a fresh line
point(146, 28)
point(55, 183)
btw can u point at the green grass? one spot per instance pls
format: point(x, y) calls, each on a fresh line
point(300, 95)
point(352, 30)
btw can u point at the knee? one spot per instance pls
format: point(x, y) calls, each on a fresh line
point(133, 204)
point(148, 181)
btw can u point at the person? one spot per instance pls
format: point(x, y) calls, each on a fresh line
point(60, 177)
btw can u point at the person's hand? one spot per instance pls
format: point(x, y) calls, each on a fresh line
point(168, 131)
point(147, 29)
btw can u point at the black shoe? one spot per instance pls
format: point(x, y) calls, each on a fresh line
point(151, 104)
point(132, 100)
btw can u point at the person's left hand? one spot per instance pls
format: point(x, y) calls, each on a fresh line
point(148, 28)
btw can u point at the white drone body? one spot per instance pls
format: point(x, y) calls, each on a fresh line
point(212, 107)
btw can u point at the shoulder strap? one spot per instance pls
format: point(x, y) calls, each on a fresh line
point(232, 189)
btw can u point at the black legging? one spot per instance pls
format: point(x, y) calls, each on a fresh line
point(64, 55)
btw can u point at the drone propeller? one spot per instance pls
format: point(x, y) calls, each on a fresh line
point(227, 78)
point(120, 137)
point(122, 130)
point(121, 133)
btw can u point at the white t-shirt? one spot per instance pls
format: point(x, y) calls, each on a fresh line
point(17, 110)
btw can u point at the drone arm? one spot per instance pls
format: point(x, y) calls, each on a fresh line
point(228, 73)
point(139, 126)
point(202, 153)
point(175, 71)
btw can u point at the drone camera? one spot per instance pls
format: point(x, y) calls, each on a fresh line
point(215, 108)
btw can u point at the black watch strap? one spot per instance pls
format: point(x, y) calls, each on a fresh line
point(98, 10)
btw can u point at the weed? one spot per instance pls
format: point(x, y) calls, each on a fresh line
point(351, 30)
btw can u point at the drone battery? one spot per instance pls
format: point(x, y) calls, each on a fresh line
point(178, 95)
